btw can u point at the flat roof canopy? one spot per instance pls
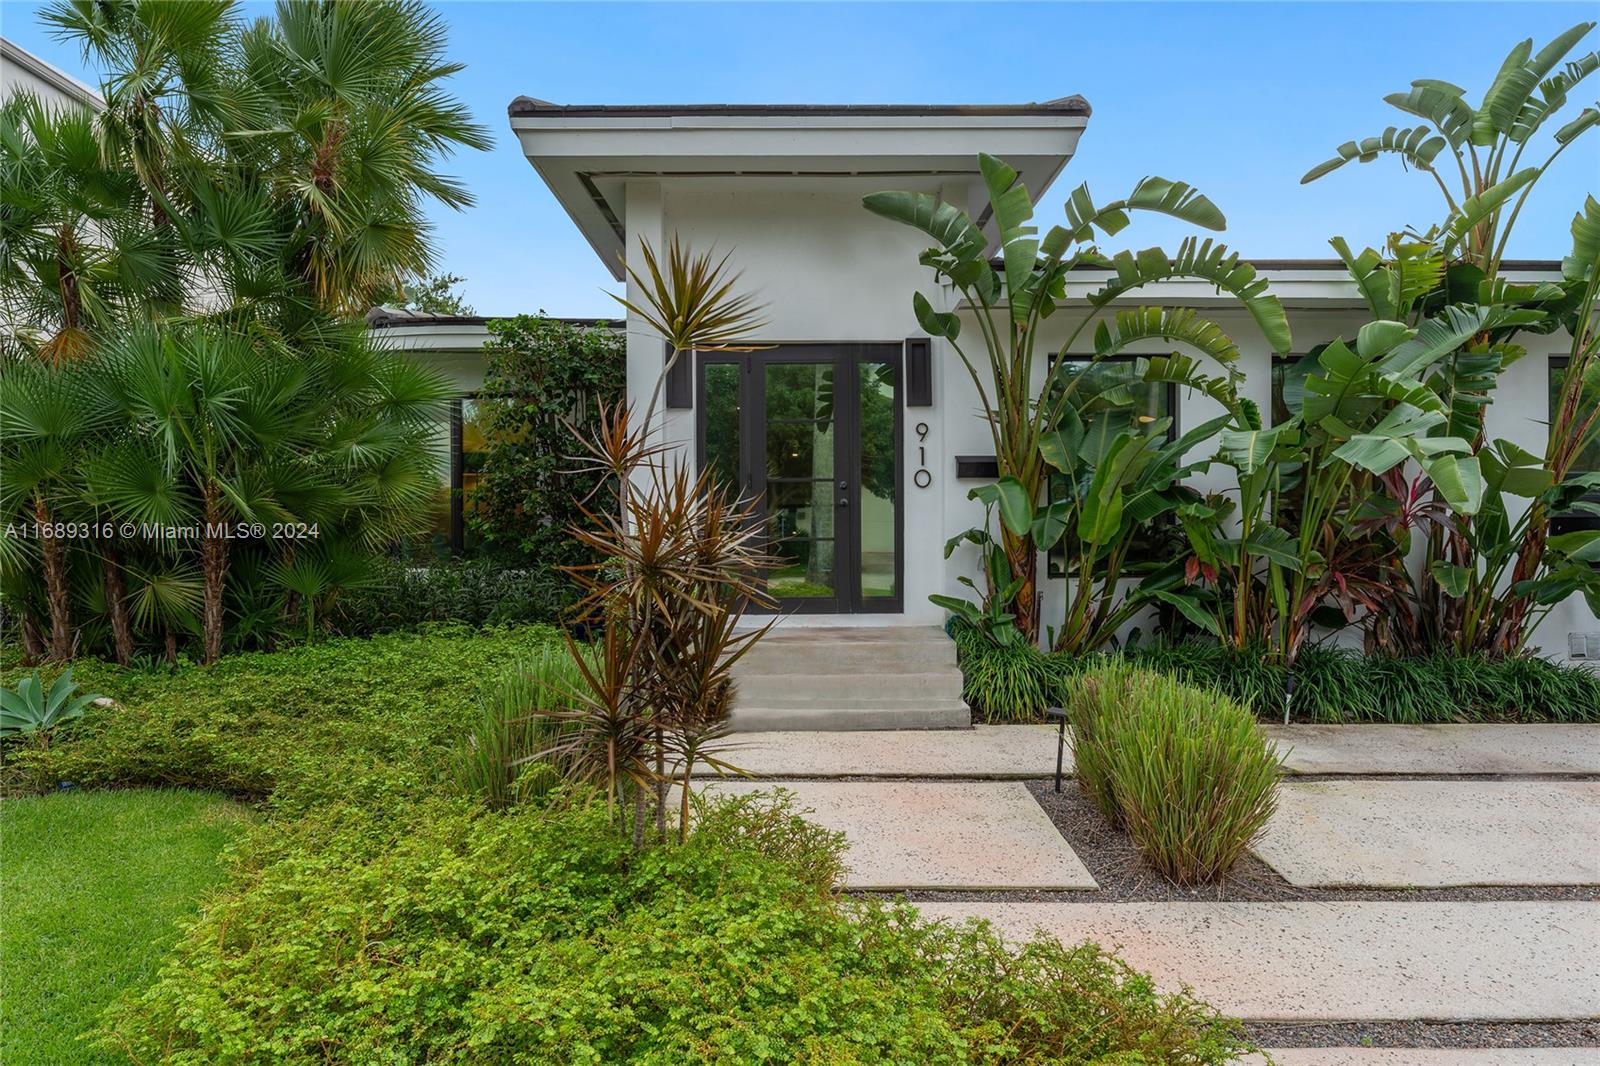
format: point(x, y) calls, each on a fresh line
point(587, 153)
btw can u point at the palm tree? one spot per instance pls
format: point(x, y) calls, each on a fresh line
point(49, 417)
point(294, 157)
point(74, 254)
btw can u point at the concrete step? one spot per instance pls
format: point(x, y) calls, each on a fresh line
point(843, 678)
point(848, 687)
point(797, 657)
point(881, 714)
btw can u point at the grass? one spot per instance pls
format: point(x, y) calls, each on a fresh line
point(92, 885)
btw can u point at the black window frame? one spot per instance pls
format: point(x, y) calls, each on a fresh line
point(1055, 567)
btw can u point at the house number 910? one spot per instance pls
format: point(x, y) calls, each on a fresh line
point(922, 478)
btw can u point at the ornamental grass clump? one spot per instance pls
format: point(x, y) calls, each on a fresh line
point(1186, 770)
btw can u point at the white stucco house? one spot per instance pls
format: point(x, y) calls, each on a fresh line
point(884, 488)
point(22, 71)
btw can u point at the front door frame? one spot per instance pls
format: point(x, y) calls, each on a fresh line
point(847, 359)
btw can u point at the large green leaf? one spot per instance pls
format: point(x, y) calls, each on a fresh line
point(1552, 97)
point(1250, 450)
point(937, 323)
point(1475, 209)
point(1367, 271)
point(1016, 505)
point(1177, 199)
point(1512, 87)
point(1458, 479)
point(1436, 338)
point(1587, 120)
point(1417, 146)
point(1208, 261)
point(944, 222)
point(1584, 259)
point(1275, 545)
point(1012, 209)
point(1182, 325)
point(1440, 103)
point(1191, 608)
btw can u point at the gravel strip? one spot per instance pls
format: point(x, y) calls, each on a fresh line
point(1124, 877)
point(1426, 1034)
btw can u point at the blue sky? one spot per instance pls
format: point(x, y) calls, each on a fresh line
point(1238, 99)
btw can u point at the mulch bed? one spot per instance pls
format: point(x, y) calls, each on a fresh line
point(1426, 1034)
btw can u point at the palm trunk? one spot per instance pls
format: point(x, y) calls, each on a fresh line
point(58, 595)
point(117, 604)
point(1024, 562)
point(214, 564)
point(32, 642)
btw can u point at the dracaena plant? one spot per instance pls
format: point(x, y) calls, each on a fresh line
point(1030, 424)
point(675, 568)
point(1448, 276)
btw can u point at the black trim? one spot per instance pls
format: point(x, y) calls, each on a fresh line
point(977, 467)
point(1066, 105)
point(680, 379)
point(919, 372)
point(1570, 521)
point(458, 530)
point(1173, 407)
point(385, 318)
point(846, 359)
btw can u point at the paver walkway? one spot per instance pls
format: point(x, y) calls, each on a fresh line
point(1344, 960)
point(971, 835)
point(1029, 751)
point(1408, 833)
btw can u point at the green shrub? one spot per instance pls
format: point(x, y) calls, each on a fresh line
point(493, 762)
point(1185, 769)
point(462, 935)
point(1331, 684)
point(1095, 702)
point(475, 592)
point(1003, 683)
point(357, 721)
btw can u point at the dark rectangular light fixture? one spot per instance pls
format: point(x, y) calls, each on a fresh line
point(972, 467)
point(919, 372)
point(680, 379)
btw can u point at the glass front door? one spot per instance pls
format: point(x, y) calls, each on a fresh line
point(812, 433)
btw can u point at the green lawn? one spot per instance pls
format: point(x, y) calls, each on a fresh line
point(91, 885)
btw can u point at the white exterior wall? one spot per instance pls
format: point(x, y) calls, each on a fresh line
point(1519, 413)
point(22, 71)
point(828, 271)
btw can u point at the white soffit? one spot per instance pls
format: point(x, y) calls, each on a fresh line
point(588, 154)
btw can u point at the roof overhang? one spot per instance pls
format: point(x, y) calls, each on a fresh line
point(587, 154)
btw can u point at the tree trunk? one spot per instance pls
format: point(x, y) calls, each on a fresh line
point(117, 603)
point(171, 643)
point(32, 642)
point(58, 595)
point(214, 565)
point(1024, 562)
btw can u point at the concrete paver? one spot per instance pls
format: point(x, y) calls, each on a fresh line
point(950, 835)
point(1029, 751)
point(985, 751)
point(1490, 748)
point(1409, 833)
point(1360, 961)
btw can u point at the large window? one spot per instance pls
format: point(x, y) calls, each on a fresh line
point(1288, 384)
point(1588, 460)
point(450, 533)
point(1111, 397)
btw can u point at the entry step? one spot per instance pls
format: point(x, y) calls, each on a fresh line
point(850, 678)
